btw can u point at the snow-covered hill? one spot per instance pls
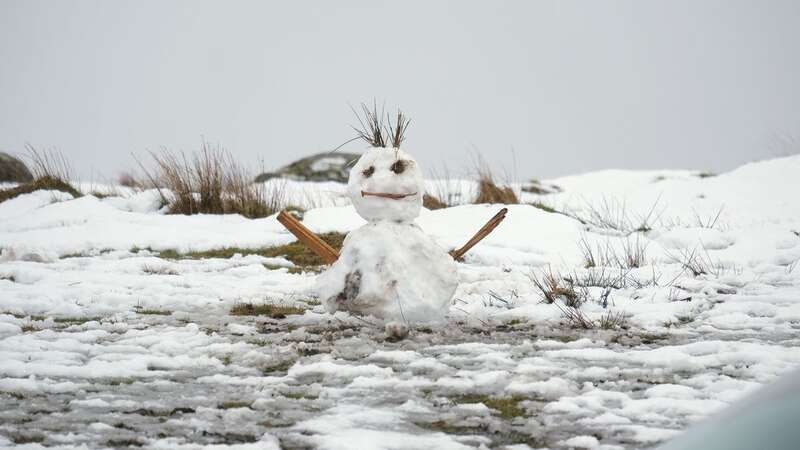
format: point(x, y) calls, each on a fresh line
point(81, 364)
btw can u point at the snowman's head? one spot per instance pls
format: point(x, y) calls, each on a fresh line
point(386, 184)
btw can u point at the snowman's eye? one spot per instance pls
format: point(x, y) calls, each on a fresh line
point(368, 172)
point(399, 166)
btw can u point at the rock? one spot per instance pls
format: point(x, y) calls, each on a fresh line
point(396, 331)
point(32, 257)
point(320, 167)
point(537, 187)
point(13, 170)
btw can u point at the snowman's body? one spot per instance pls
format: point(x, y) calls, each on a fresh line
point(389, 268)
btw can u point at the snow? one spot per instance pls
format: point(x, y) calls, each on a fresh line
point(81, 368)
point(376, 172)
point(89, 224)
point(581, 442)
point(382, 260)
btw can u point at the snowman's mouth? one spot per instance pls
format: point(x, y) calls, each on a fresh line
point(387, 195)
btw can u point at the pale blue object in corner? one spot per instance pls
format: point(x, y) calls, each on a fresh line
point(769, 419)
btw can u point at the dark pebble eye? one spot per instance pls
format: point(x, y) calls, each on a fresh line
point(399, 166)
point(368, 172)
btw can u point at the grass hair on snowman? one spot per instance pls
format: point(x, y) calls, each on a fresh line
point(389, 268)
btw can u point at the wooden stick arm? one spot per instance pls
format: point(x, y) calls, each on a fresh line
point(308, 238)
point(329, 255)
point(457, 254)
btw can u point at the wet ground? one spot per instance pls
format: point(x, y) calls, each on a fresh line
point(319, 382)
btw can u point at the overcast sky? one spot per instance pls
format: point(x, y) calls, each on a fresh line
point(563, 87)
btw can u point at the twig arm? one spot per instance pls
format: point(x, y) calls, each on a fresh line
point(329, 255)
point(457, 254)
point(308, 238)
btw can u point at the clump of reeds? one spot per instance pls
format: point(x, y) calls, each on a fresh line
point(211, 182)
point(378, 129)
point(51, 171)
point(489, 191)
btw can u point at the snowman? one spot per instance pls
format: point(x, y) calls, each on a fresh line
point(389, 268)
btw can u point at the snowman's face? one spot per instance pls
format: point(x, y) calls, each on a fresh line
point(386, 184)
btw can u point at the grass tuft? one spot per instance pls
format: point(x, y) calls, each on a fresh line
point(128, 179)
point(575, 317)
point(553, 286)
point(47, 183)
point(155, 270)
point(432, 202)
point(294, 270)
point(265, 309)
point(151, 311)
point(489, 191)
point(397, 128)
point(211, 182)
point(295, 251)
point(631, 253)
point(506, 407)
point(613, 320)
point(378, 129)
point(613, 215)
point(697, 262)
point(234, 405)
point(543, 207)
point(76, 320)
point(50, 171)
point(371, 128)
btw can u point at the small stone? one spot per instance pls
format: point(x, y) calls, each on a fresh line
point(32, 257)
point(396, 331)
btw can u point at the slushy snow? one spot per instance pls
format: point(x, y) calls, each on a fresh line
point(105, 343)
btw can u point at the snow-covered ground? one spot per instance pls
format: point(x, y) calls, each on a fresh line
point(80, 365)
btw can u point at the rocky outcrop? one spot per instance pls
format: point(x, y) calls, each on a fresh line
point(537, 187)
point(12, 170)
point(321, 167)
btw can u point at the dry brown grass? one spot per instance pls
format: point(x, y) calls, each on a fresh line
point(398, 128)
point(295, 251)
point(378, 129)
point(445, 187)
point(490, 191)
point(698, 261)
point(431, 202)
point(575, 317)
point(631, 253)
point(211, 182)
point(265, 309)
point(553, 286)
point(612, 320)
point(41, 183)
point(48, 163)
point(613, 215)
point(371, 128)
point(130, 180)
point(50, 171)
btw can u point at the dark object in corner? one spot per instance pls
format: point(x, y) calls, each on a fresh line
point(12, 170)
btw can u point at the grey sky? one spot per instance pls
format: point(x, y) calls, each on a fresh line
point(569, 86)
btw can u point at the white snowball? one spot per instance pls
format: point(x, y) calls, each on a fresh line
point(392, 271)
point(373, 174)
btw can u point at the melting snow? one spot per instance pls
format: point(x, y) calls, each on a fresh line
point(80, 367)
